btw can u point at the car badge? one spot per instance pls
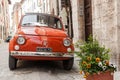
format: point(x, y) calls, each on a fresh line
point(45, 43)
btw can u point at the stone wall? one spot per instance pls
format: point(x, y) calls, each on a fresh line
point(53, 7)
point(118, 28)
point(78, 19)
point(81, 20)
point(105, 26)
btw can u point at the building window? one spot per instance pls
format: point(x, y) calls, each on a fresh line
point(64, 3)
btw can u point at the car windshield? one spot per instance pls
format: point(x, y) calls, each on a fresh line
point(41, 20)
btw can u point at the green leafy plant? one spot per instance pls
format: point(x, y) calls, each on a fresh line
point(93, 57)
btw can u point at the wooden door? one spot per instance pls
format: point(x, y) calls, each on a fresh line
point(88, 18)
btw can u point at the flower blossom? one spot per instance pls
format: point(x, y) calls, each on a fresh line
point(88, 65)
point(104, 68)
point(100, 64)
point(97, 59)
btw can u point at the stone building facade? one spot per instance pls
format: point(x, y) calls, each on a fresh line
point(1, 20)
point(105, 23)
point(105, 17)
point(4, 19)
point(78, 19)
point(17, 13)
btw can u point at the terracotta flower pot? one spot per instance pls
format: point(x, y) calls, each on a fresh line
point(102, 76)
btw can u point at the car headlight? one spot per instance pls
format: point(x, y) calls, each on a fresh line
point(20, 40)
point(67, 42)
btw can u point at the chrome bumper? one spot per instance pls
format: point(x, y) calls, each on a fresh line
point(42, 54)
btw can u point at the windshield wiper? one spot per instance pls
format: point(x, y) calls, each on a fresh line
point(27, 24)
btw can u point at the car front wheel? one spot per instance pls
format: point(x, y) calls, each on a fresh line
point(12, 62)
point(67, 64)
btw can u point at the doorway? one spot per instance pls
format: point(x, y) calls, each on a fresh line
point(88, 18)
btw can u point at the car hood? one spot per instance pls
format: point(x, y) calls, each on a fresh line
point(43, 31)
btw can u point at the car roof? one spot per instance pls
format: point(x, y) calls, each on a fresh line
point(42, 14)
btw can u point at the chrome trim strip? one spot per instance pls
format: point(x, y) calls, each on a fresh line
point(42, 54)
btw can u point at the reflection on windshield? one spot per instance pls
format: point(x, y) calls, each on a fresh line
point(41, 20)
point(34, 24)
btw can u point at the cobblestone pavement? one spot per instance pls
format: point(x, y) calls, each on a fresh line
point(38, 70)
point(35, 70)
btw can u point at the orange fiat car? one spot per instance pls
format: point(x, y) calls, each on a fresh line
point(41, 37)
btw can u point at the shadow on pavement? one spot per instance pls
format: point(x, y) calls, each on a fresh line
point(52, 67)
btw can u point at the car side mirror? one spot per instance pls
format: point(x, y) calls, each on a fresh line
point(66, 29)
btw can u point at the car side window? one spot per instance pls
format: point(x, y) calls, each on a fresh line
point(52, 22)
point(42, 19)
point(55, 23)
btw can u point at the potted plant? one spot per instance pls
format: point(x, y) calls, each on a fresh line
point(94, 60)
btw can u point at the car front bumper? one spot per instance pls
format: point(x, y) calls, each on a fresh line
point(41, 54)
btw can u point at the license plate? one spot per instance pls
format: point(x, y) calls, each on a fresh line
point(39, 49)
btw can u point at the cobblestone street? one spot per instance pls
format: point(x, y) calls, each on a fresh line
point(35, 70)
point(38, 70)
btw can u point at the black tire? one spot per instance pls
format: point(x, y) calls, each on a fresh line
point(12, 63)
point(68, 64)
